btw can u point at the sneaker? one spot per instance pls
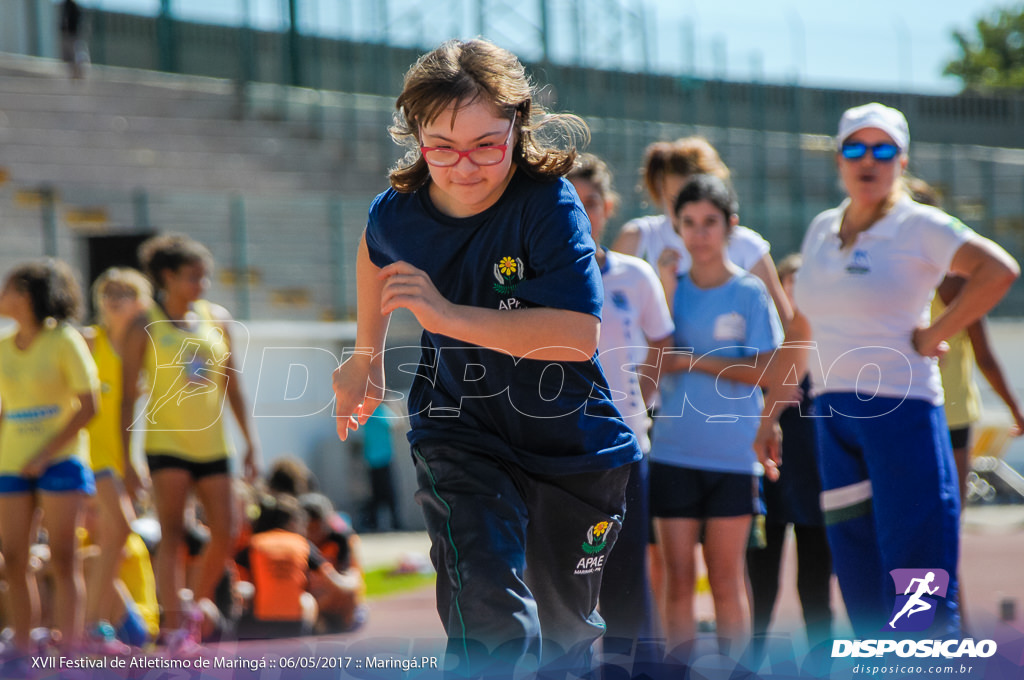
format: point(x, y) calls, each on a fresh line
point(16, 663)
point(16, 667)
point(44, 640)
point(102, 639)
point(183, 643)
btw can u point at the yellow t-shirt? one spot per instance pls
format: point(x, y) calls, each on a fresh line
point(39, 389)
point(105, 447)
point(963, 401)
point(187, 374)
point(137, 574)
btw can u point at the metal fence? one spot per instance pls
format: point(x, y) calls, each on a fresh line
point(289, 256)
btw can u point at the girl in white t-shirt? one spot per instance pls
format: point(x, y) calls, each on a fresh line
point(668, 166)
point(635, 325)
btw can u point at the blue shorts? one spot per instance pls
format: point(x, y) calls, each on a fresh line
point(689, 493)
point(106, 472)
point(63, 476)
point(133, 630)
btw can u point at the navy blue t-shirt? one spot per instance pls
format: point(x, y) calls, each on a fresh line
point(532, 248)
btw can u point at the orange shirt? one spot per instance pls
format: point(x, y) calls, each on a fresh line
point(279, 563)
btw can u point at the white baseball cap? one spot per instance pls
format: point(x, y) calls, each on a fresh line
point(875, 115)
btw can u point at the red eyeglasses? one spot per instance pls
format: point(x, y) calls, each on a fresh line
point(444, 157)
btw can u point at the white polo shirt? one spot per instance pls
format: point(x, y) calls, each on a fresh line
point(746, 247)
point(634, 312)
point(864, 301)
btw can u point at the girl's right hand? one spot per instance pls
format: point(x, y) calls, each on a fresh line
point(358, 390)
point(135, 484)
point(668, 265)
point(768, 446)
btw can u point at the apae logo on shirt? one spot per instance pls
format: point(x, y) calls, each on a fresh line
point(508, 273)
point(597, 540)
point(860, 263)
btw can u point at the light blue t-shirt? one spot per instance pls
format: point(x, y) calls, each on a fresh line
point(377, 448)
point(707, 422)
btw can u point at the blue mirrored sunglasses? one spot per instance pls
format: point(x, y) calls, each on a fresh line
point(881, 152)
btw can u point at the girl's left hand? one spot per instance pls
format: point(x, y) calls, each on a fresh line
point(411, 288)
point(1017, 429)
point(923, 340)
point(251, 463)
point(35, 467)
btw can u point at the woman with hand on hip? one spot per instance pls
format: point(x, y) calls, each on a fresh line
point(870, 269)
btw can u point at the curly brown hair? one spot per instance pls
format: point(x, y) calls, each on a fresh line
point(170, 252)
point(51, 288)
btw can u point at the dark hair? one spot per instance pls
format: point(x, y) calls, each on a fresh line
point(592, 169)
point(459, 73)
point(318, 507)
point(686, 156)
point(171, 252)
point(277, 512)
point(289, 475)
point(51, 288)
point(713, 189)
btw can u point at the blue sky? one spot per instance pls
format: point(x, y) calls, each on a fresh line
point(887, 44)
point(873, 44)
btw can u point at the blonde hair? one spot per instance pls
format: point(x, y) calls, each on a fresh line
point(460, 73)
point(686, 156)
point(789, 265)
point(124, 278)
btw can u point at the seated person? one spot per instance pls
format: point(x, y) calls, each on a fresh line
point(340, 611)
point(278, 564)
point(134, 611)
point(289, 475)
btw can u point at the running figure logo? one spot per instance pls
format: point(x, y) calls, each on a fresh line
point(915, 608)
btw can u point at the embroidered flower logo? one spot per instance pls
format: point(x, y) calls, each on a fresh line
point(507, 266)
point(596, 538)
point(508, 273)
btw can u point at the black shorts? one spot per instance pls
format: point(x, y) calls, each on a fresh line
point(960, 436)
point(680, 492)
point(250, 628)
point(198, 470)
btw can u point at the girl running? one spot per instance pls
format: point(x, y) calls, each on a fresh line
point(521, 457)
